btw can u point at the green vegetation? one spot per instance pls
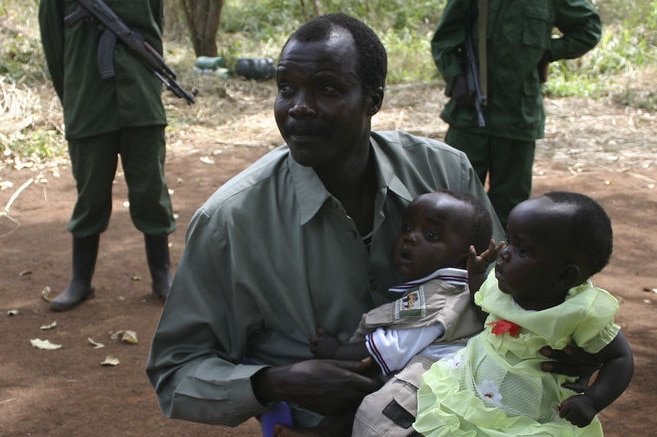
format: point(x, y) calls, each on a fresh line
point(259, 27)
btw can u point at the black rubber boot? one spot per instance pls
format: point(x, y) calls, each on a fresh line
point(157, 255)
point(85, 252)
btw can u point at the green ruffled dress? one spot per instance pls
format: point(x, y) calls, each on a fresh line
point(494, 386)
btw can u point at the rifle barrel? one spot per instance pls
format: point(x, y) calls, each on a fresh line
point(102, 13)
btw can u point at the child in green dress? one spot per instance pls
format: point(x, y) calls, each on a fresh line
point(538, 295)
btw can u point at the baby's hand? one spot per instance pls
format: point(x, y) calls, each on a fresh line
point(578, 410)
point(324, 345)
point(478, 264)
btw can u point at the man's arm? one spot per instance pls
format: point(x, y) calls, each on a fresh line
point(229, 306)
point(196, 362)
point(51, 25)
point(328, 387)
point(581, 30)
point(448, 41)
point(613, 378)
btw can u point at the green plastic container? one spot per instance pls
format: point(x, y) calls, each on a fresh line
point(209, 63)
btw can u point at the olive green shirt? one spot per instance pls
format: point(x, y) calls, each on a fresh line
point(91, 105)
point(270, 257)
point(519, 36)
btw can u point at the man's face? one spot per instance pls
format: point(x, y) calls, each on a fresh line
point(320, 108)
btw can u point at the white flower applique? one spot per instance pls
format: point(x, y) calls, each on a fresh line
point(489, 392)
point(455, 361)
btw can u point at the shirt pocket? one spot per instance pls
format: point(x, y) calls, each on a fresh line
point(537, 24)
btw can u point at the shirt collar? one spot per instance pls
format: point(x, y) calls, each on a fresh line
point(386, 171)
point(450, 274)
point(311, 193)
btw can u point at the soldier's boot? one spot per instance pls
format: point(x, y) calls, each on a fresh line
point(85, 252)
point(159, 264)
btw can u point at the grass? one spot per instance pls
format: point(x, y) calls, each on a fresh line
point(31, 126)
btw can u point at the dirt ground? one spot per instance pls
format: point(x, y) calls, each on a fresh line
point(598, 148)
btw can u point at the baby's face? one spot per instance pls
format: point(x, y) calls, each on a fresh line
point(432, 236)
point(531, 265)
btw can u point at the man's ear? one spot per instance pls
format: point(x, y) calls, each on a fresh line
point(570, 276)
point(376, 101)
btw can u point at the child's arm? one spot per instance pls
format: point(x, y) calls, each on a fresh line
point(613, 378)
point(478, 270)
point(325, 345)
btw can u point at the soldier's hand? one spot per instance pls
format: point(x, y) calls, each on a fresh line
point(460, 93)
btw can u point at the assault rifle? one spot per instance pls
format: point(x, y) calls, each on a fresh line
point(114, 28)
point(472, 78)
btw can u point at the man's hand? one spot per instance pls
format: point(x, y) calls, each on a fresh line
point(460, 93)
point(324, 345)
point(571, 361)
point(327, 387)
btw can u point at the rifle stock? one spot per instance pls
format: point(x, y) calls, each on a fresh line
point(114, 28)
point(472, 77)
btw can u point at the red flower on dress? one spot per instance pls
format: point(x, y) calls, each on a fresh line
point(502, 326)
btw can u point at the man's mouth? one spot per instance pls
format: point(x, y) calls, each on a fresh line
point(298, 129)
point(300, 138)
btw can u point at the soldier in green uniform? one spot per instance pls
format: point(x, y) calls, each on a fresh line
point(519, 45)
point(104, 119)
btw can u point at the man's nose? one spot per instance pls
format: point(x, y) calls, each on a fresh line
point(304, 106)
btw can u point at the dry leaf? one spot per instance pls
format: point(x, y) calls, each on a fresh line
point(95, 344)
point(50, 326)
point(46, 293)
point(126, 336)
point(110, 361)
point(44, 344)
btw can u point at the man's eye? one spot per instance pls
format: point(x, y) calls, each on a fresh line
point(328, 90)
point(284, 89)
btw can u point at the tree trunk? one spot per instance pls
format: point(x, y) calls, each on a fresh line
point(316, 9)
point(203, 18)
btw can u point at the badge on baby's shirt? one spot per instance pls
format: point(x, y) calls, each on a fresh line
point(411, 305)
